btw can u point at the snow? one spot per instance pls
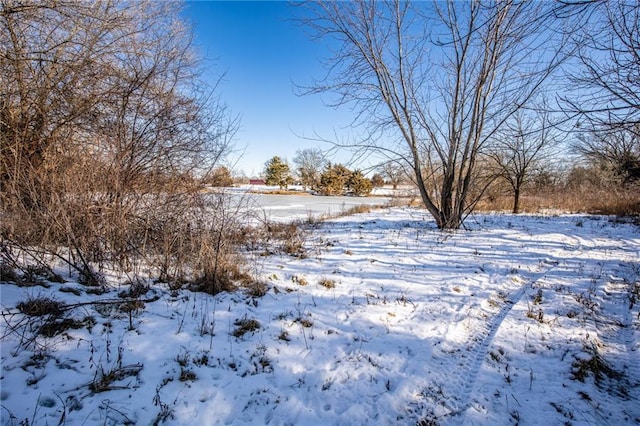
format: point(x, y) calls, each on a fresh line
point(304, 205)
point(515, 320)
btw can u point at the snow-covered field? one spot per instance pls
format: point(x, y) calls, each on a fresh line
point(517, 320)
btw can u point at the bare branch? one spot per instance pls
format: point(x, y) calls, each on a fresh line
point(432, 83)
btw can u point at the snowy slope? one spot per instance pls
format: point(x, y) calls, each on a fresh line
point(517, 320)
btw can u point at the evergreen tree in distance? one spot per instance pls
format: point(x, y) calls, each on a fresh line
point(277, 173)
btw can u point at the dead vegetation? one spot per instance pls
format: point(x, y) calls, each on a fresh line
point(101, 152)
point(268, 238)
point(106, 380)
point(591, 364)
point(244, 326)
point(590, 200)
point(47, 317)
point(41, 306)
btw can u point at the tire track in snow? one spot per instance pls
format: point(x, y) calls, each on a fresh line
point(467, 372)
point(460, 401)
point(617, 330)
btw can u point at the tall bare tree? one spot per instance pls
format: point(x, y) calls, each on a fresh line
point(433, 82)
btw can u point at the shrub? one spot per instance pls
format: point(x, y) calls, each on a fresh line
point(245, 325)
point(359, 185)
point(334, 180)
point(219, 177)
point(327, 283)
point(99, 197)
point(41, 306)
point(275, 237)
point(593, 365)
point(377, 181)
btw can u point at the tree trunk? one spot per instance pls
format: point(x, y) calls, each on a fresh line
point(516, 201)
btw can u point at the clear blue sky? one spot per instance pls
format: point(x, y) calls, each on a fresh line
point(264, 51)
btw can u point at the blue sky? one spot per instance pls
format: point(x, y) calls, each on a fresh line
point(264, 51)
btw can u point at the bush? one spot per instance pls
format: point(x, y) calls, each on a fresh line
point(41, 306)
point(99, 164)
point(359, 185)
point(244, 326)
point(584, 198)
point(334, 180)
point(273, 237)
point(377, 181)
point(219, 177)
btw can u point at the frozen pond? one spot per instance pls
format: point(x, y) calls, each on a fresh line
point(279, 207)
point(295, 207)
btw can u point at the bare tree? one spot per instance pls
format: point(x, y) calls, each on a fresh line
point(309, 165)
point(616, 150)
point(433, 82)
point(606, 80)
point(394, 173)
point(518, 148)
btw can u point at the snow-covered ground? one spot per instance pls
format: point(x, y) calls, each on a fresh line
point(516, 320)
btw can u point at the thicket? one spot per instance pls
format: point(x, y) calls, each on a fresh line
point(584, 188)
point(106, 130)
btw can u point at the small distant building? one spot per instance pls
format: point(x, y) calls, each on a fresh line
point(256, 182)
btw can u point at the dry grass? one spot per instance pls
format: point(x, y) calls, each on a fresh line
point(593, 365)
point(103, 380)
point(299, 280)
point(256, 288)
point(244, 326)
point(41, 306)
point(327, 283)
point(53, 328)
point(280, 192)
point(274, 238)
point(615, 201)
point(304, 321)
point(361, 208)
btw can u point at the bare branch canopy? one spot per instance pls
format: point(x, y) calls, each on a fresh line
point(432, 82)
